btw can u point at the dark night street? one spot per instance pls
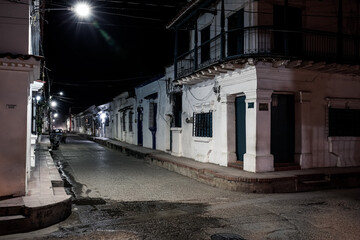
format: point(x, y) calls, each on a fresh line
point(179, 119)
point(121, 197)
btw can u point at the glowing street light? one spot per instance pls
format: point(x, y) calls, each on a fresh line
point(53, 103)
point(82, 9)
point(38, 97)
point(61, 93)
point(56, 115)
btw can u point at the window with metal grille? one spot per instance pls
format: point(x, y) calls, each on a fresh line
point(131, 113)
point(344, 122)
point(202, 126)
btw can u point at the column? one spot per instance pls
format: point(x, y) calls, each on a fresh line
point(258, 157)
point(226, 130)
point(303, 151)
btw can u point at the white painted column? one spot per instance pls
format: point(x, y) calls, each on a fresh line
point(258, 157)
point(227, 127)
point(176, 148)
point(303, 130)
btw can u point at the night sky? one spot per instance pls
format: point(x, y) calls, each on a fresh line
point(122, 44)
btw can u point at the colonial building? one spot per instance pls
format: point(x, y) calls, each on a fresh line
point(123, 117)
point(19, 81)
point(264, 85)
point(153, 114)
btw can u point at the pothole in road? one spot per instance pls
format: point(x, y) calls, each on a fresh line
point(123, 209)
point(89, 201)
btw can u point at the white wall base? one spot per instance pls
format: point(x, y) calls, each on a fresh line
point(254, 163)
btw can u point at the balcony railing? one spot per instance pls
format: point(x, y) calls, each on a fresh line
point(270, 42)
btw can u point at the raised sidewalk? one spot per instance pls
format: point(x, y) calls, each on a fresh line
point(238, 180)
point(46, 202)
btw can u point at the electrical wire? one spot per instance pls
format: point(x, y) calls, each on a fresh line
point(130, 16)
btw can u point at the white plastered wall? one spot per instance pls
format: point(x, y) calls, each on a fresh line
point(162, 118)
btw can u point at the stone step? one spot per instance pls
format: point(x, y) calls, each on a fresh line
point(10, 218)
point(11, 210)
point(205, 177)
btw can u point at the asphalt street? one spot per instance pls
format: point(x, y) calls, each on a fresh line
point(121, 197)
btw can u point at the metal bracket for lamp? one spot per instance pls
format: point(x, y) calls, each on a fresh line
point(189, 120)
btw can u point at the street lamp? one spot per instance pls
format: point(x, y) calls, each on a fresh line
point(53, 103)
point(82, 9)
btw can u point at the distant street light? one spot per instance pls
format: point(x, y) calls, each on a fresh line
point(56, 115)
point(53, 103)
point(38, 97)
point(61, 93)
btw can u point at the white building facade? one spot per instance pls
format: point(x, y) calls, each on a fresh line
point(265, 93)
point(19, 79)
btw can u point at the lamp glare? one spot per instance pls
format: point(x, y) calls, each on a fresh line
point(82, 9)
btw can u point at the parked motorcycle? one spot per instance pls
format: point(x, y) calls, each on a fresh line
point(55, 138)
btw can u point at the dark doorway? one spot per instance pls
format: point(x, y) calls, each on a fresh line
point(140, 125)
point(287, 27)
point(240, 111)
point(152, 122)
point(235, 43)
point(283, 128)
point(177, 110)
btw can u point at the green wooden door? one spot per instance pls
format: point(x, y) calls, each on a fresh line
point(240, 127)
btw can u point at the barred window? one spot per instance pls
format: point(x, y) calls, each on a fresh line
point(131, 113)
point(202, 126)
point(344, 122)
